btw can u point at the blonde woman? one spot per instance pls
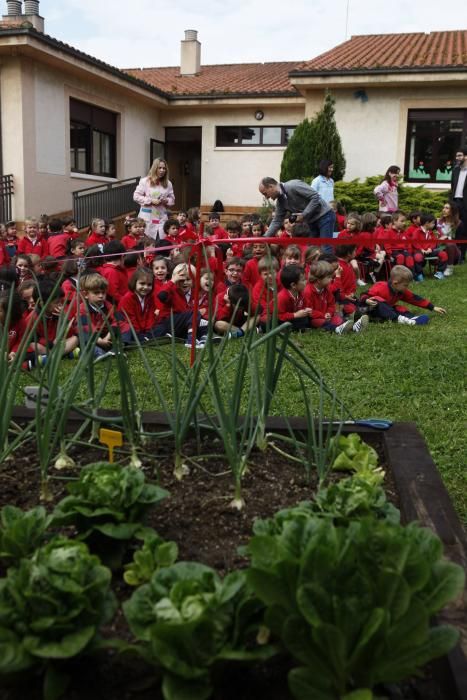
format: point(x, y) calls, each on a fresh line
point(154, 194)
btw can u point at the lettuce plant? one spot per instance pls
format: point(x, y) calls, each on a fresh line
point(51, 608)
point(153, 555)
point(21, 532)
point(354, 455)
point(107, 505)
point(189, 620)
point(352, 603)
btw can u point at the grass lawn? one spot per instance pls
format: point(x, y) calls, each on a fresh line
point(397, 372)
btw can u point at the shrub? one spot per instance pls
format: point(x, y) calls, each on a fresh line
point(358, 196)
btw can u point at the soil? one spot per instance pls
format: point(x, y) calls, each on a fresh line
point(198, 515)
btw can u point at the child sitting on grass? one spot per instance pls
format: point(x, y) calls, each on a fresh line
point(137, 309)
point(383, 300)
point(319, 297)
point(54, 328)
point(233, 316)
point(265, 291)
point(291, 304)
point(96, 314)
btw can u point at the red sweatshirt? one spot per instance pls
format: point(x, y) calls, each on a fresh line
point(170, 299)
point(250, 273)
point(96, 239)
point(36, 247)
point(288, 304)
point(383, 291)
point(130, 241)
point(57, 244)
point(320, 300)
point(263, 296)
point(117, 279)
point(139, 311)
point(348, 283)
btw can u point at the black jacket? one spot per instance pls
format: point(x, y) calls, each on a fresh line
point(455, 178)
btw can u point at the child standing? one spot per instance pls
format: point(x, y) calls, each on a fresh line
point(384, 300)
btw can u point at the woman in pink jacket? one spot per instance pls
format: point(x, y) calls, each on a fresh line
point(155, 193)
point(387, 193)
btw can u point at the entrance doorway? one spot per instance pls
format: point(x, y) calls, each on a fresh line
point(183, 149)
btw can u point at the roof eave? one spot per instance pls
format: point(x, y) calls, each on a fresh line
point(342, 72)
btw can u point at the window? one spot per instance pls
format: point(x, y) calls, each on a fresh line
point(93, 134)
point(253, 135)
point(157, 150)
point(433, 137)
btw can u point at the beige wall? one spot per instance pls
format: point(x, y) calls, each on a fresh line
point(36, 134)
point(232, 174)
point(374, 133)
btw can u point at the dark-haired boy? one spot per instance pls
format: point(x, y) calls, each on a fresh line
point(423, 246)
point(50, 329)
point(58, 238)
point(232, 311)
point(291, 301)
point(114, 272)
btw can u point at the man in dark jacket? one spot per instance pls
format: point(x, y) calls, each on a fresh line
point(296, 197)
point(459, 186)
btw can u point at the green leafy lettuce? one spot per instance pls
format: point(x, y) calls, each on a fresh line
point(352, 603)
point(21, 532)
point(107, 505)
point(51, 606)
point(153, 555)
point(190, 619)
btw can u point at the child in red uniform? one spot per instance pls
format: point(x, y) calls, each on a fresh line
point(215, 225)
point(401, 246)
point(114, 272)
point(319, 297)
point(98, 234)
point(161, 271)
point(352, 229)
point(137, 308)
point(265, 291)
point(58, 238)
point(31, 241)
point(55, 328)
point(414, 218)
point(70, 274)
point(175, 315)
point(383, 300)
point(237, 248)
point(232, 311)
point(291, 303)
point(423, 247)
point(23, 266)
point(134, 232)
point(251, 274)
point(348, 281)
point(96, 315)
point(11, 311)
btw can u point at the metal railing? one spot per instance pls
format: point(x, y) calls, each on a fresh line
point(104, 201)
point(6, 197)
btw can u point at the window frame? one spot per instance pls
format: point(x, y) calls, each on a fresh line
point(261, 144)
point(432, 115)
point(98, 122)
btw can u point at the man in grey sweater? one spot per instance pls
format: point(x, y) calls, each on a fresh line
point(296, 197)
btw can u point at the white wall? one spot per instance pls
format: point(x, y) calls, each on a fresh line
point(36, 134)
point(232, 174)
point(374, 133)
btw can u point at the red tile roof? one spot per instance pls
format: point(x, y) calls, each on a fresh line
point(222, 80)
point(437, 50)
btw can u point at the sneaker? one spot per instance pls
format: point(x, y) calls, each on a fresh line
point(104, 356)
point(405, 321)
point(373, 277)
point(41, 360)
point(361, 283)
point(421, 320)
point(344, 328)
point(361, 325)
point(419, 278)
point(203, 323)
point(74, 354)
point(449, 271)
point(439, 275)
point(236, 334)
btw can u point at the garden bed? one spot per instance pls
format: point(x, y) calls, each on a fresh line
point(199, 518)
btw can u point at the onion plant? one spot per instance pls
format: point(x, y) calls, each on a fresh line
point(55, 399)
point(188, 384)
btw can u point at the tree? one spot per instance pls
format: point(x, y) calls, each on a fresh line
point(296, 162)
point(327, 142)
point(312, 141)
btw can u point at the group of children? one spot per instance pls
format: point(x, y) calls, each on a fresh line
point(69, 289)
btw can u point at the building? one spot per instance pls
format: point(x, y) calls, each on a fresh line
point(70, 121)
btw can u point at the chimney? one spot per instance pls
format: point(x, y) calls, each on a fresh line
point(190, 59)
point(31, 15)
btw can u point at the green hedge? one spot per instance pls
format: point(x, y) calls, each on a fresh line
point(358, 196)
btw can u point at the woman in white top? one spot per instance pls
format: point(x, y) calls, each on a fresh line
point(323, 183)
point(155, 193)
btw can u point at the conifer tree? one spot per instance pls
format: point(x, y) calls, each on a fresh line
point(314, 140)
point(327, 142)
point(296, 163)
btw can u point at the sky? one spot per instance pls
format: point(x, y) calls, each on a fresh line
point(147, 33)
